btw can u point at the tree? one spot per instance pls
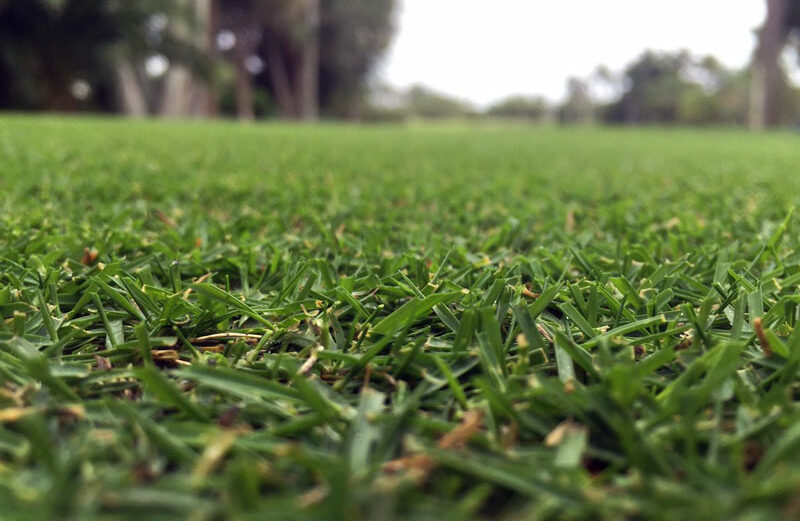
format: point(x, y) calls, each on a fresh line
point(520, 107)
point(578, 106)
point(767, 79)
point(713, 94)
point(239, 33)
point(291, 47)
point(678, 88)
point(285, 35)
point(317, 54)
point(423, 102)
point(353, 35)
point(655, 85)
point(187, 91)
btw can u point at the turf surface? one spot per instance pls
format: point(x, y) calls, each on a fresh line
point(210, 321)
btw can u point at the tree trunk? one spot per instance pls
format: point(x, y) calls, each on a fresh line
point(59, 100)
point(184, 93)
point(176, 101)
point(244, 83)
point(279, 75)
point(203, 94)
point(208, 105)
point(308, 81)
point(766, 80)
point(131, 96)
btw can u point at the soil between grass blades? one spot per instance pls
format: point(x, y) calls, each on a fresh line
point(211, 321)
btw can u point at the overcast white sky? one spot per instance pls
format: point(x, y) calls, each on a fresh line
point(483, 50)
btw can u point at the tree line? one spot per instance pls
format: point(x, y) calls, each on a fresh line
point(655, 88)
point(304, 59)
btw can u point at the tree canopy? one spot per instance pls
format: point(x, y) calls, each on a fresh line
point(677, 87)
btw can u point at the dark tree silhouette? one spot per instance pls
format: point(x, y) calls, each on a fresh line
point(783, 16)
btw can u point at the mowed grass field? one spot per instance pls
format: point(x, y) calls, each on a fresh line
point(212, 321)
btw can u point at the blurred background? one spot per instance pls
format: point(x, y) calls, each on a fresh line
point(718, 63)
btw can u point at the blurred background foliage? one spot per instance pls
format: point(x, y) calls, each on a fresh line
point(295, 58)
point(306, 59)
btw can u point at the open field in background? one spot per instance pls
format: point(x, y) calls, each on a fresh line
point(210, 321)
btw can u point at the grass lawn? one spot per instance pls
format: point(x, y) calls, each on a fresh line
point(212, 321)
